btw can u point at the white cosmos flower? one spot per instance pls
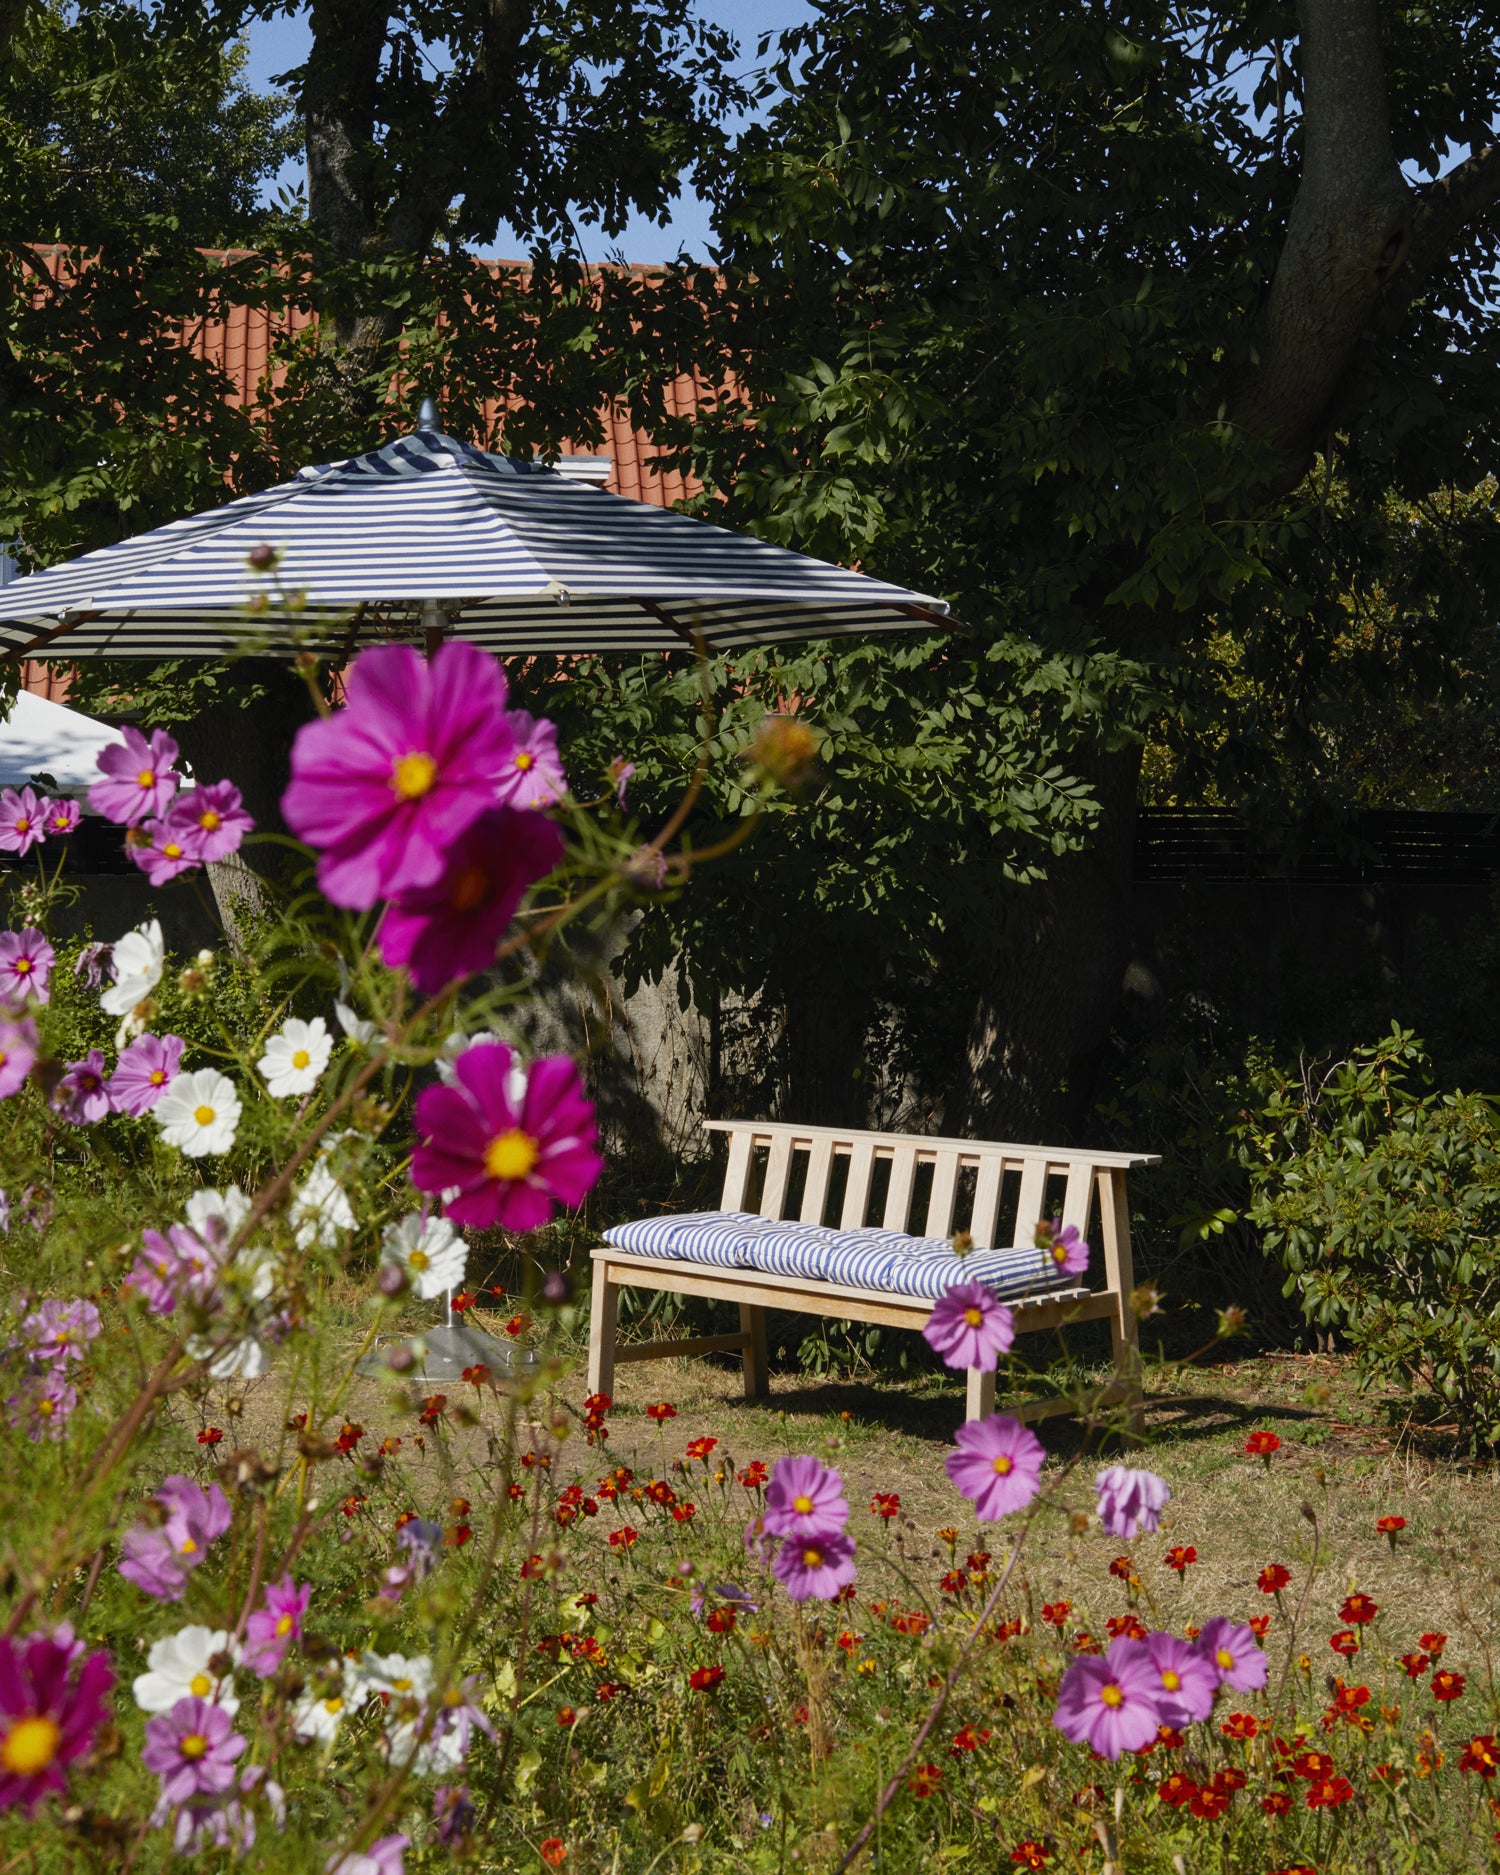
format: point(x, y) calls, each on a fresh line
point(178, 1668)
point(136, 963)
point(400, 1675)
point(430, 1250)
point(199, 1113)
point(244, 1360)
point(458, 1044)
point(230, 1206)
point(320, 1718)
point(359, 1031)
point(216, 1216)
point(296, 1056)
point(320, 1210)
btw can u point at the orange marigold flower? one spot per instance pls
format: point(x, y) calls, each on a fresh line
point(1180, 1556)
point(553, 1851)
point(1388, 1526)
point(924, 1780)
point(1433, 1644)
point(1277, 1804)
point(1262, 1444)
point(1030, 1854)
point(210, 1435)
point(1129, 1625)
point(1273, 1578)
point(1446, 1685)
point(1122, 1567)
point(661, 1411)
point(705, 1679)
point(478, 1375)
point(1209, 1802)
point(1416, 1665)
point(1258, 1624)
point(567, 1717)
point(753, 1475)
point(622, 1539)
point(700, 1448)
point(1177, 1789)
point(1480, 1755)
point(1240, 1725)
point(1328, 1793)
point(1055, 1614)
point(1345, 1642)
point(1359, 1609)
point(886, 1504)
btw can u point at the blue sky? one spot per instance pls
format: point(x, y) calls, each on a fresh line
point(279, 44)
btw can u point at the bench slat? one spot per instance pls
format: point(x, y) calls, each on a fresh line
point(857, 1191)
point(737, 1172)
point(815, 1191)
point(986, 1219)
point(898, 1195)
point(1033, 1199)
point(778, 1165)
point(944, 1192)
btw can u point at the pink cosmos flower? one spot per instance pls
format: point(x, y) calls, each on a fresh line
point(49, 1713)
point(144, 1072)
point(620, 772)
point(386, 785)
point(60, 1331)
point(450, 929)
point(1234, 1654)
point(18, 1051)
point(89, 968)
point(139, 779)
point(1130, 1501)
point(970, 1327)
point(210, 822)
point(26, 960)
point(81, 1097)
point(225, 1820)
point(1110, 1703)
point(179, 1266)
point(535, 772)
point(511, 1163)
point(381, 1858)
point(42, 1406)
point(158, 1559)
point(998, 1465)
point(160, 850)
point(192, 1749)
point(804, 1499)
point(63, 816)
point(815, 1567)
point(271, 1630)
point(23, 819)
point(1186, 1682)
point(1066, 1247)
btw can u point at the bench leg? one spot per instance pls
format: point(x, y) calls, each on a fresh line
point(603, 1318)
point(756, 1363)
point(979, 1400)
point(1114, 1214)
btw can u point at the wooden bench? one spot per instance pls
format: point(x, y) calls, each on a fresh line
point(768, 1159)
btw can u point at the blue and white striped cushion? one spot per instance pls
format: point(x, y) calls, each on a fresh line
point(859, 1259)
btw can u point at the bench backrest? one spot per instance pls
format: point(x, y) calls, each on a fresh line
point(1053, 1181)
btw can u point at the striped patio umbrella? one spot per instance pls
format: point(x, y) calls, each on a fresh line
point(429, 535)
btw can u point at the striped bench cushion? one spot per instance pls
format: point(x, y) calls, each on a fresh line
point(859, 1259)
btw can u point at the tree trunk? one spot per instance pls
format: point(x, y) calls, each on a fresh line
point(828, 1013)
point(1048, 990)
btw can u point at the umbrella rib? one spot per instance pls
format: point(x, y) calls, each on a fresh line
point(353, 631)
point(16, 655)
point(665, 618)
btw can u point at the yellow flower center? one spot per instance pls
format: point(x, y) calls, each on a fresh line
point(1170, 1680)
point(401, 1686)
point(200, 1686)
point(525, 760)
point(412, 776)
point(973, 1317)
point(188, 1547)
point(470, 888)
point(209, 821)
point(192, 1745)
point(22, 965)
point(418, 1260)
point(23, 825)
point(1004, 1464)
point(4, 1057)
point(158, 1077)
point(1059, 1255)
point(803, 1504)
point(284, 1625)
point(45, 1408)
point(301, 1059)
point(511, 1156)
point(172, 850)
point(1224, 1658)
point(146, 778)
point(812, 1558)
point(332, 1706)
point(205, 1116)
point(1111, 1695)
point(30, 1746)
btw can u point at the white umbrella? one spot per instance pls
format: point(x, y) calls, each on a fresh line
point(44, 738)
point(430, 534)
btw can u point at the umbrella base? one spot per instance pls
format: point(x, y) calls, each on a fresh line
point(452, 1348)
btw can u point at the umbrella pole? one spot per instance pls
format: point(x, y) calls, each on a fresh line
point(434, 625)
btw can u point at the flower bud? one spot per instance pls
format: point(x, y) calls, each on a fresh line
point(263, 558)
point(784, 750)
point(392, 1280)
point(400, 1359)
point(556, 1289)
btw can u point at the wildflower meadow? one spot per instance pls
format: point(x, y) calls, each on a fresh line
point(274, 1600)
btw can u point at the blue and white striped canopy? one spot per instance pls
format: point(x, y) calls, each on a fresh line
point(430, 532)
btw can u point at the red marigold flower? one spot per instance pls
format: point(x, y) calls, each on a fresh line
point(1030, 1854)
point(753, 1475)
point(1433, 1644)
point(389, 1447)
point(1129, 1625)
point(700, 1448)
point(432, 1408)
point(1240, 1725)
point(953, 1582)
point(553, 1851)
point(978, 1560)
point(1258, 1626)
point(1273, 1578)
point(705, 1679)
point(622, 1539)
point(1055, 1614)
point(1084, 1643)
point(478, 1375)
point(1345, 1642)
point(456, 1535)
point(684, 1513)
point(660, 1492)
point(1168, 1739)
point(1177, 1790)
point(567, 1717)
point(607, 1690)
point(885, 1504)
point(720, 1621)
point(1328, 1793)
point(1315, 1766)
point(1387, 1774)
point(516, 1325)
point(465, 1299)
point(849, 1640)
point(597, 1403)
point(662, 1411)
point(531, 1568)
point(1229, 1778)
point(1446, 1685)
point(1209, 1803)
point(297, 1423)
point(924, 1780)
point(1359, 1609)
point(1180, 1556)
point(1480, 1755)
point(352, 1503)
point(1346, 1698)
point(1278, 1803)
point(210, 1435)
point(1262, 1444)
point(349, 1436)
point(1123, 1568)
point(1388, 1526)
point(515, 1493)
point(1416, 1665)
point(967, 1739)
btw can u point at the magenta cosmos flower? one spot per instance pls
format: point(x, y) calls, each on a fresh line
point(998, 1465)
point(63, 817)
point(1064, 1245)
point(18, 1049)
point(815, 1567)
point(157, 1560)
point(1130, 1501)
point(535, 772)
point(387, 784)
point(804, 1499)
point(81, 1097)
point(179, 1266)
point(23, 819)
point(51, 1706)
point(970, 1327)
point(60, 1331)
point(144, 1072)
point(1110, 1703)
point(381, 1858)
point(1234, 1654)
point(210, 822)
point(510, 1162)
point(159, 851)
point(139, 778)
point(271, 1630)
point(192, 1749)
point(26, 960)
point(42, 1407)
point(450, 929)
point(1185, 1682)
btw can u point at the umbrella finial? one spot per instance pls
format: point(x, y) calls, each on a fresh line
point(427, 416)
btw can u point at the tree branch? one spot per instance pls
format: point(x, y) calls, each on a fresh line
point(1440, 214)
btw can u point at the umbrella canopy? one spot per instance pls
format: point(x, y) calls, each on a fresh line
point(430, 533)
point(40, 737)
